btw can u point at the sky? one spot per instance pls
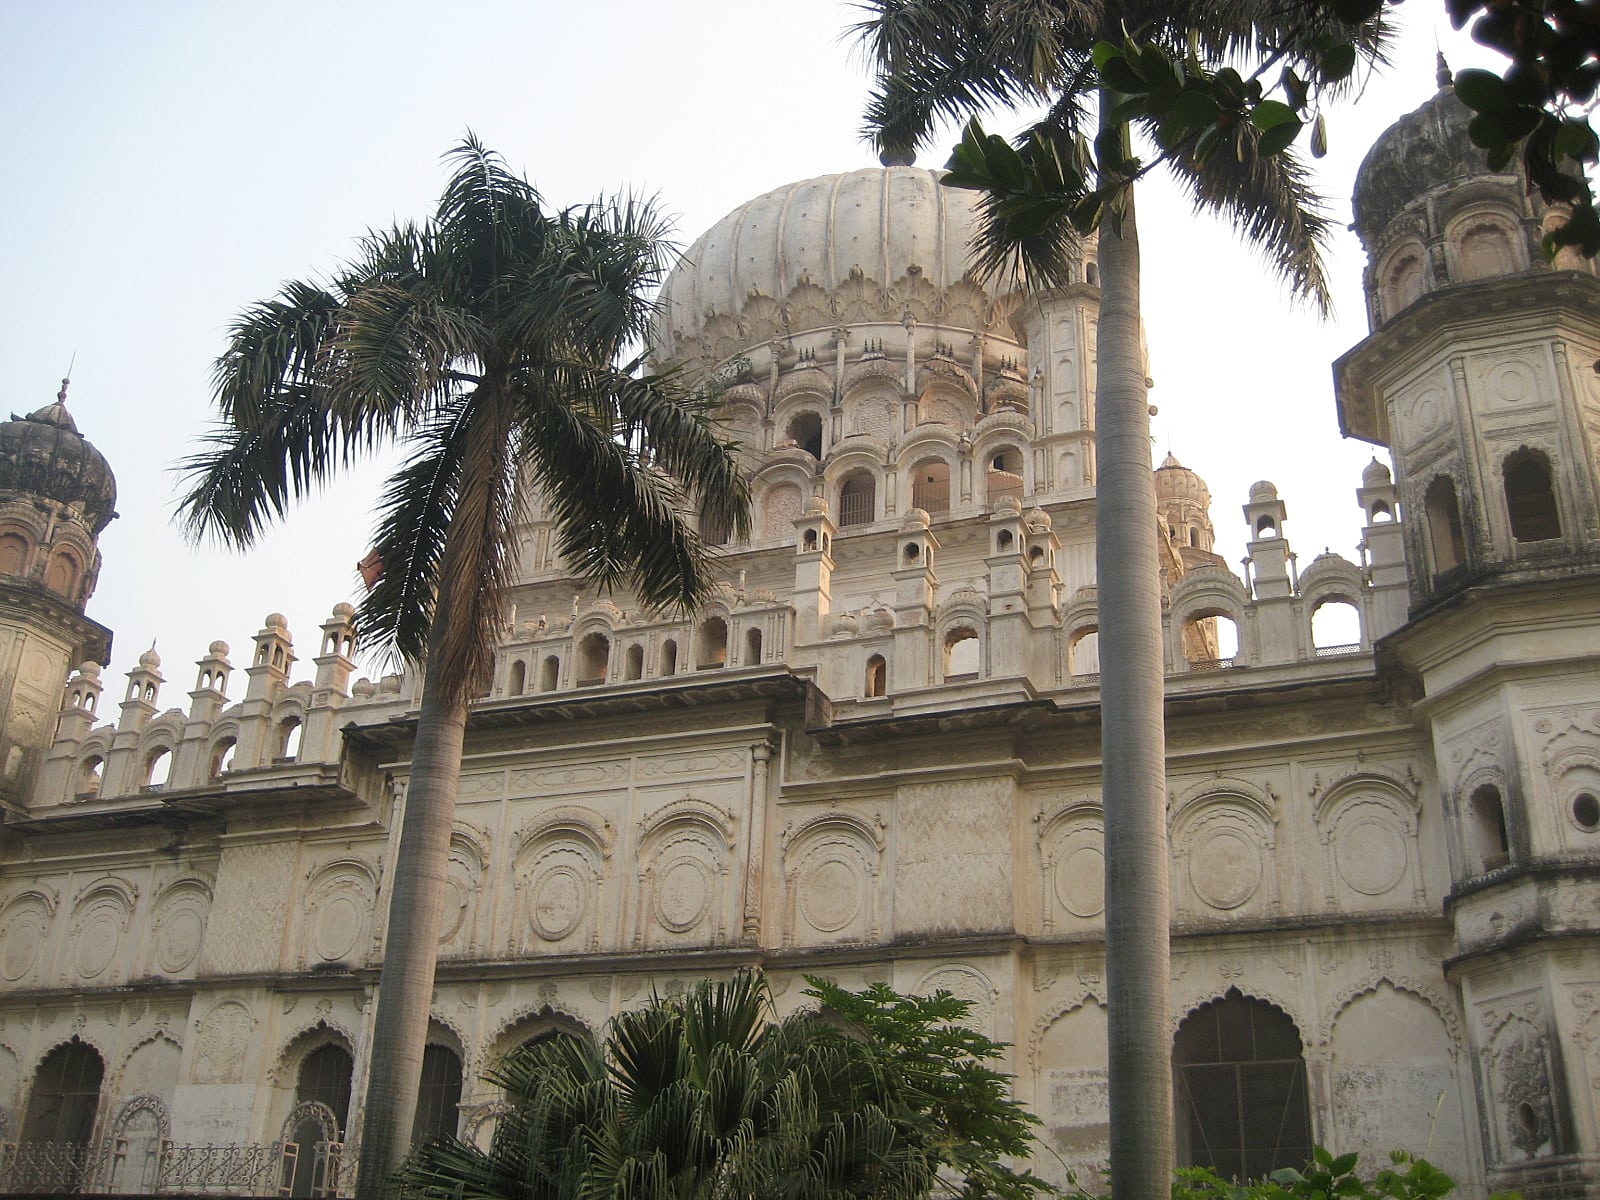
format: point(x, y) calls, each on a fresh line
point(168, 163)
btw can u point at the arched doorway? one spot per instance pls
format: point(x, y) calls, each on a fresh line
point(1240, 1077)
point(319, 1119)
point(65, 1095)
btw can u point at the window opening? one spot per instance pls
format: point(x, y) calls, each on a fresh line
point(222, 757)
point(1489, 827)
point(713, 649)
point(438, 1095)
point(594, 659)
point(518, 682)
point(1530, 497)
point(858, 500)
point(1444, 525)
point(961, 655)
point(877, 676)
point(806, 432)
point(633, 665)
point(65, 1096)
point(1240, 1079)
point(1335, 628)
point(669, 657)
point(549, 673)
point(752, 647)
point(1005, 475)
point(930, 486)
point(158, 768)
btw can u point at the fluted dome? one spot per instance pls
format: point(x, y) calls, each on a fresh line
point(1177, 482)
point(840, 249)
point(1424, 150)
point(43, 454)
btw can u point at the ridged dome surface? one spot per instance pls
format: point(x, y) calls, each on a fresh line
point(43, 454)
point(1177, 482)
point(1422, 151)
point(870, 229)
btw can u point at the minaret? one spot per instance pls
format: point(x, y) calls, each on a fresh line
point(1478, 375)
point(57, 495)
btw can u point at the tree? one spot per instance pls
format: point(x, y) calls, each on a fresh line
point(944, 59)
point(489, 343)
point(874, 1095)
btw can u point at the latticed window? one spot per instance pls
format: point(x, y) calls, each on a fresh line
point(65, 1096)
point(325, 1077)
point(1241, 1090)
point(857, 500)
point(439, 1096)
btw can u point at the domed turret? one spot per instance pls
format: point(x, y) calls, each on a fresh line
point(1431, 214)
point(1183, 502)
point(44, 455)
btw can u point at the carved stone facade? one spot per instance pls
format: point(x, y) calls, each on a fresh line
point(875, 754)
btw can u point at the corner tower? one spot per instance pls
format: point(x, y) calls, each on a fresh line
point(57, 494)
point(1479, 374)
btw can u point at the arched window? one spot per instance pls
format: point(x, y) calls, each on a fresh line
point(714, 531)
point(1210, 641)
point(1530, 496)
point(1266, 528)
point(89, 777)
point(805, 431)
point(222, 757)
point(65, 1095)
point(594, 659)
point(1005, 475)
point(517, 683)
point(1381, 513)
point(13, 554)
point(669, 657)
point(61, 575)
point(1083, 654)
point(289, 739)
point(858, 500)
point(877, 676)
point(633, 664)
point(439, 1095)
point(1403, 284)
point(1485, 251)
point(961, 654)
point(712, 651)
point(1444, 525)
point(324, 1078)
point(549, 673)
point(1240, 1082)
point(930, 486)
point(752, 647)
point(158, 768)
point(1489, 838)
point(1335, 627)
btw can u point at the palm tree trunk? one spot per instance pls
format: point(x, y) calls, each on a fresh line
point(411, 944)
point(1133, 740)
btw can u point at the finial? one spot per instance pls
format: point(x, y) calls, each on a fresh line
point(897, 158)
point(61, 396)
point(1441, 71)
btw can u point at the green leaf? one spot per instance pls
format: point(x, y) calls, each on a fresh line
point(1498, 127)
point(1344, 1164)
point(1356, 12)
point(1286, 1176)
point(1120, 75)
point(1575, 139)
point(1294, 88)
point(1271, 113)
point(1481, 91)
point(1104, 52)
point(1195, 106)
point(1278, 138)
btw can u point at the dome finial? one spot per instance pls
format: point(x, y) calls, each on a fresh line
point(61, 396)
point(1441, 71)
point(897, 158)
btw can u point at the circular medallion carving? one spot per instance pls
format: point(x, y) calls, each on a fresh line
point(20, 951)
point(339, 922)
point(1512, 382)
point(1224, 868)
point(559, 900)
point(683, 894)
point(454, 912)
point(1372, 856)
point(1081, 882)
point(1427, 411)
point(97, 942)
point(178, 940)
point(831, 894)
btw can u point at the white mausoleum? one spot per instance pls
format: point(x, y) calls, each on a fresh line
point(876, 756)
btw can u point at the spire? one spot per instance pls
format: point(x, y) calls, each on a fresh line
point(61, 396)
point(1441, 71)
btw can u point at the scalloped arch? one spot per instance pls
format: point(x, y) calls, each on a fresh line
point(1346, 996)
point(1079, 998)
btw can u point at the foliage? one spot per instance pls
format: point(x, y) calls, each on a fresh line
point(497, 345)
point(873, 1094)
point(1325, 1177)
point(1540, 107)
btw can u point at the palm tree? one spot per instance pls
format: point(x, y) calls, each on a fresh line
point(489, 343)
point(705, 1096)
point(939, 60)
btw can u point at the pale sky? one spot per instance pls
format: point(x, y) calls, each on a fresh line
point(168, 163)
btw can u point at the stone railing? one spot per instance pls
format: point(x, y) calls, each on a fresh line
point(163, 1167)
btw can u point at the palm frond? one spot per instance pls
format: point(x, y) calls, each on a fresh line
point(1269, 199)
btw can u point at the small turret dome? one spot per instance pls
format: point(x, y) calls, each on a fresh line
point(1174, 481)
point(43, 454)
point(150, 660)
point(1376, 475)
point(1263, 492)
point(219, 649)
